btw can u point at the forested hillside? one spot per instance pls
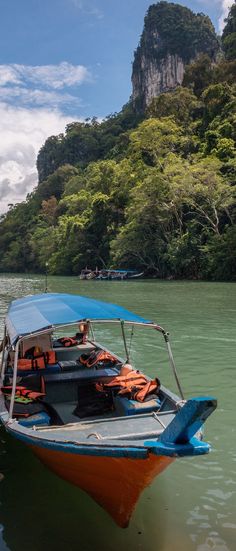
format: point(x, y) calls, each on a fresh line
point(152, 190)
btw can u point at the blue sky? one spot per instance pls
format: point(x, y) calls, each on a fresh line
point(63, 60)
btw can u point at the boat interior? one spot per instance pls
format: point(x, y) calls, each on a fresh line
point(66, 391)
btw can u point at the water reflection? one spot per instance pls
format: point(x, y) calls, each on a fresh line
point(40, 511)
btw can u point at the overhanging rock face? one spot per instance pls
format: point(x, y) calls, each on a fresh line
point(157, 78)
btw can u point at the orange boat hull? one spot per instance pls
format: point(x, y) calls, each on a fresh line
point(114, 483)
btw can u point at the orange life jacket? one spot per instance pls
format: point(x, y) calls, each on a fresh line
point(50, 357)
point(25, 392)
point(150, 388)
point(37, 362)
point(67, 341)
point(96, 357)
point(134, 384)
point(32, 364)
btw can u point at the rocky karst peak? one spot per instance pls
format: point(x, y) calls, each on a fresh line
point(172, 37)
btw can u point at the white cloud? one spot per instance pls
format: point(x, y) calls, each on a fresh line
point(31, 102)
point(22, 133)
point(225, 5)
point(35, 97)
point(78, 4)
point(88, 8)
point(5, 188)
point(8, 75)
point(52, 76)
point(45, 85)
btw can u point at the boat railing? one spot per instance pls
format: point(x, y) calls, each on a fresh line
point(61, 326)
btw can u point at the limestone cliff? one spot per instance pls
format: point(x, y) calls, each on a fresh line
point(173, 36)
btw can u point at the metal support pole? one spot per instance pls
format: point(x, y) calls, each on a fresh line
point(124, 339)
point(46, 277)
point(14, 381)
point(92, 331)
point(3, 350)
point(172, 363)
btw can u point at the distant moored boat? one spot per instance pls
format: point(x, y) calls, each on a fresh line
point(110, 274)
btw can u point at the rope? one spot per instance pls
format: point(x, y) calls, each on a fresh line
point(98, 436)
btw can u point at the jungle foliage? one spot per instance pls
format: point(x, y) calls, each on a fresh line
point(154, 192)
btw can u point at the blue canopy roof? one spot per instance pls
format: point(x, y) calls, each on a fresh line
point(34, 313)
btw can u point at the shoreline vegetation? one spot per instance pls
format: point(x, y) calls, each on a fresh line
point(152, 191)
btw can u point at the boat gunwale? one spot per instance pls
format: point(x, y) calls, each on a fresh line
point(111, 448)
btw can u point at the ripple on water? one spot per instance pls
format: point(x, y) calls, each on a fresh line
point(213, 543)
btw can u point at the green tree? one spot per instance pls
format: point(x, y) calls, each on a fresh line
point(221, 254)
point(142, 241)
point(55, 183)
point(181, 104)
point(49, 157)
point(199, 74)
point(208, 197)
point(154, 139)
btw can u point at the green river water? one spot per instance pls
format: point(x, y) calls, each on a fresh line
point(192, 505)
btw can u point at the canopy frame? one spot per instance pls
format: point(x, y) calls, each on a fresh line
point(52, 328)
point(55, 310)
point(39, 312)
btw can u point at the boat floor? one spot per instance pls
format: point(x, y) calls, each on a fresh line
point(135, 427)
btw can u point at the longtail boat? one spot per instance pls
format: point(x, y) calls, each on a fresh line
point(109, 274)
point(85, 412)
